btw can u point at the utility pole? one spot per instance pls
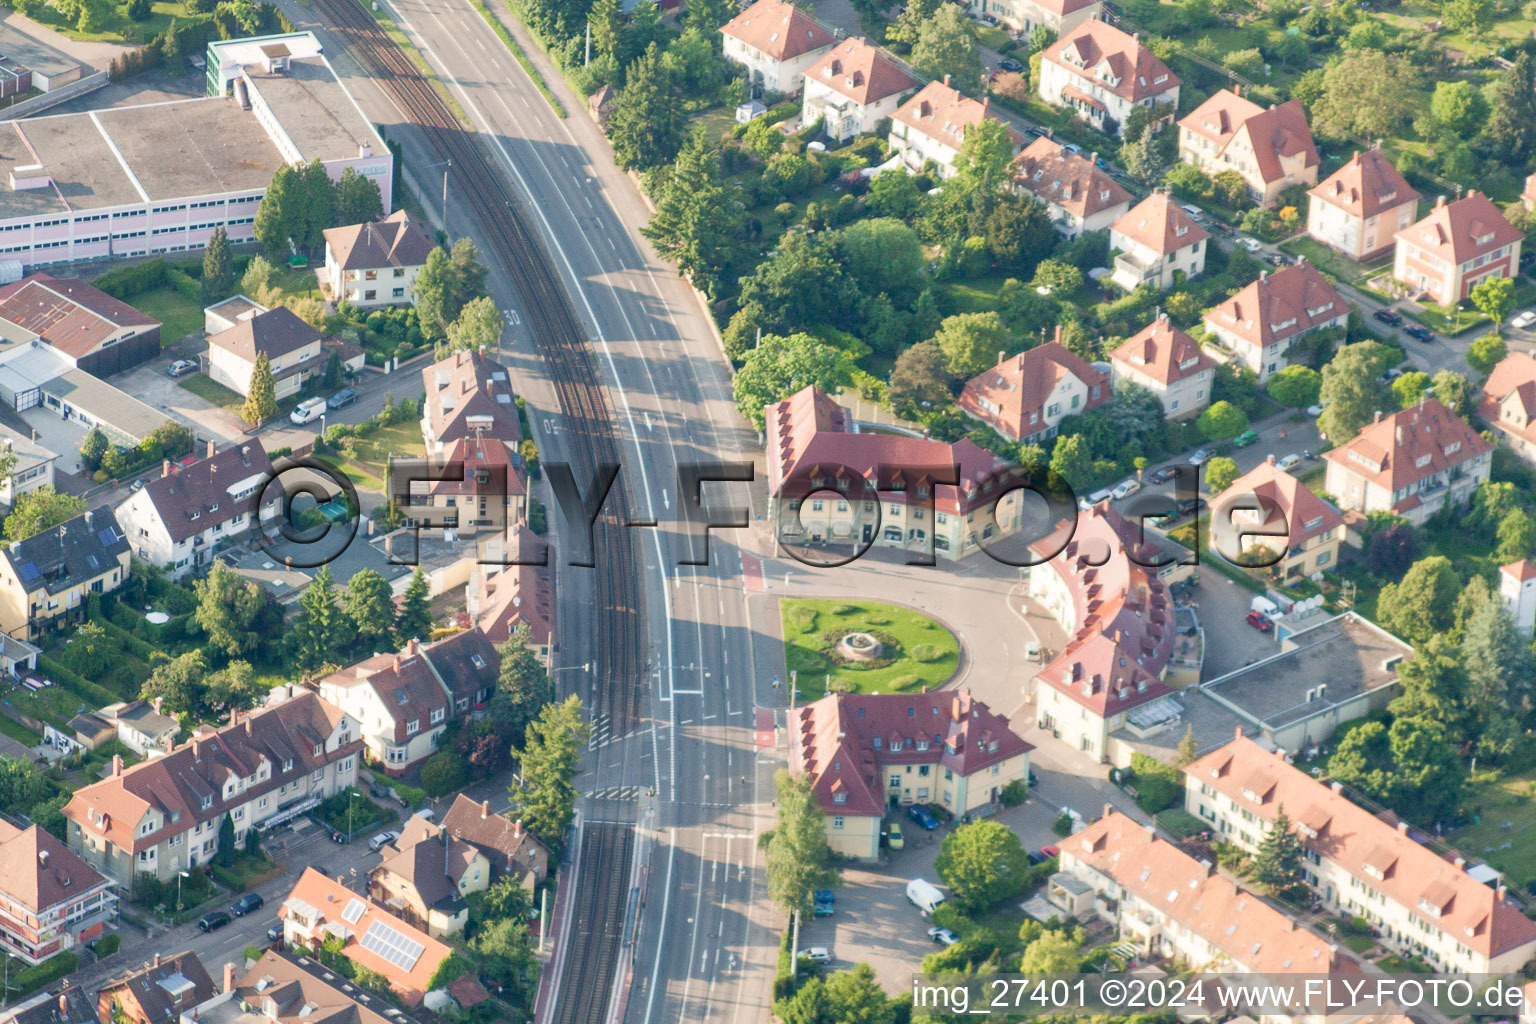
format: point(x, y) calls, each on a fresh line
point(794, 947)
point(588, 58)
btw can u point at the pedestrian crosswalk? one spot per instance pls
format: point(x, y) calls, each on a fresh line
point(615, 793)
point(601, 726)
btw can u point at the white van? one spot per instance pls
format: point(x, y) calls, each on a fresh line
point(307, 411)
point(924, 895)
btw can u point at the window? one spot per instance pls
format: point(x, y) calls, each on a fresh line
point(413, 727)
point(437, 715)
point(837, 822)
point(288, 764)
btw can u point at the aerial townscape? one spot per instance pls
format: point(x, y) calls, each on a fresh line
point(630, 511)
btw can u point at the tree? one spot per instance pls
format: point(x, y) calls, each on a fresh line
point(802, 286)
point(797, 854)
point(780, 366)
point(1219, 474)
point(257, 277)
point(433, 292)
point(1452, 389)
point(884, 255)
point(1071, 459)
point(227, 850)
point(1231, 188)
point(1221, 422)
point(92, 447)
point(1188, 750)
point(920, 380)
point(140, 10)
point(1351, 392)
point(1018, 231)
point(971, 342)
point(321, 629)
point(414, 620)
point(1517, 536)
point(696, 219)
point(1390, 552)
point(1474, 17)
point(1434, 687)
point(358, 200)
point(21, 784)
point(913, 17)
point(1459, 108)
point(1057, 277)
point(846, 997)
point(984, 863)
point(318, 208)
point(1054, 952)
point(477, 327)
point(946, 45)
point(280, 215)
point(1277, 863)
point(227, 607)
point(523, 686)
point(505, 952)
point(1296, 387)
point(606, 20)
point(261, 395)
point(233, 686)
point(1487, 350)
point(178, 682)
point(39, 510)
point(466, 277)
point(1422, 604)
point(1499, 669)
point(892, 194)
point(1366, 92)
point(985, 153)
point(1494, 298)
point(1512, 129)
point(370, 604)
point(544, 792)
point(218, 268)
point(647, 125)
point(443, 772)
point(1409, 388)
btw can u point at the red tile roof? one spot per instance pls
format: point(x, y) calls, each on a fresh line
point(1365, 186)
point(71, 316)
point(844, 741)
point(1067, 180)
point(1160, 224)
point(1113, 59)
point(489, 469)
point(1463, 230)
point(1285, 500)
point(1390, 451)
point(1021, 385)
point(861, 72)
point(517, 595)
point(945, 114)
point(1277, 306)
point(1347, 834)
point(1280, 131)
point(1522, 570)
point(396, 241)
point(40, 873)
point(467, 391)
point(1509, 396)
point(779, 29)
point(510, 847)
point(1162, 352)
point(191, 499)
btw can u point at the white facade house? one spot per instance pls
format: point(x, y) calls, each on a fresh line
point(292, 347)
point(1157, 243)
point(1101, 74)
point(930, 128)
point(777, 43)
point(1517, 589)
point(1361, 207)
point(1060, 16)
point(854, 87)
point(375, 264)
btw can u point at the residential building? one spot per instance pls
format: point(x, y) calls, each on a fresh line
point(468, 396)
point(1509, 403)
point(1168, 363)
point(34, 466)
point(1157, 243)
point(1119, 621)
point(139, 726)
point(288, 988)
point(1025, 397)
point(500, 599)
point(777, 43)
point(1101, 74)
point(1271, 148)
point(320, 908)
point(292, 347)
point(157, 993)
point(1079, 196)
point(50, 899)
point(1411, 463)
point(1269, 509)
point(826, 485)
point(1517, 591)
point(405, 700)
point(181, 519)
point(478, 484)
point(1060, 16)
point(509, 848)
point(97, 185)
point(267, 767)
point(1528, 194)
point(1261, 322)
point(92, 330)
point(854, 86)
point(70, 1006)
point(1457, 247)
point(870, 753)
point(930, 127)
point(426, 874)
point(1422, 904)
point(375, 264)
point(1362, 206)
point(46, 579)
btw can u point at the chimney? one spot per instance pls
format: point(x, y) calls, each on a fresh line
point(1337, 787)
point(1461, 863)
point(42, 858)
point(946, 81)
point(117, 765)
point(1263, 275)
point(1271, 459)
point(1402, 828)
point(1378, 417)
point(229, 977)
point(63, 1006)
point(157, 961)
point(212, 447)
point(1439, 202)
point(165, 467)
point(197, 748)
point(1109, 809)
point(1501, 892)
point(155, 703)
point(1399, 433)
point(410, 648)
point(1093, 159)
point(485, 809)
point(517, 827)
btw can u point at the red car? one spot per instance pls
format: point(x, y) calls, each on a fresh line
point(1050, 851)
point(1260, 621)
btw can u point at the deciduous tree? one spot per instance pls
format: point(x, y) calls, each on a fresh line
point(39, 510)
point(1351, 392)
point(984, 863)
point(227, 607)
point(1366, 92)
point(1486, 352)
point(178, 682)
point(1297, 387)
point(920, 380)
point(797, 855)
point(477, 328)
point(1219, 474)
point(971, 342)
point(780, 366)
point(1494, 298)
point(1221, 422)
point(1422, 604)
point(370, 604)
point(946, 45)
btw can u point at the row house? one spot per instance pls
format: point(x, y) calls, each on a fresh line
point(1361, 207)
point(181, 518)
point(1269, 508)
point(50, 899)
point(1024, 16)
point(266, 767)
point(1157, 243)
point(289, 988)
point(1101, 74)
point(777, 43)
point(375, 264)
point(854, 87)
point(1025, 397)
point(46, 579)
point(1509, 403)
point(1360, 865)
point(931, 127)
point(868, 754)
point(1260, 323)
point(1079, 195)
point(1411, 463)
point(1456, 247)
point(1168, 363)
point(158, 992)
point(1271, 148)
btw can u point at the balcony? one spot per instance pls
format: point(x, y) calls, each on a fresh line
point(1130, 272)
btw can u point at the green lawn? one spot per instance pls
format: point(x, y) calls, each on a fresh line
point(179, 315)
point(974, 296)
point(1502, 801)
point(1330, 262)
point(19, 732)
point(1445, 319)
point(370, 460)
point(811, 626)
point(116, 26)
point(992, 37)
point(205, 387)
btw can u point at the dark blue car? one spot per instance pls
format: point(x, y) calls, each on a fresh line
point(922, 816)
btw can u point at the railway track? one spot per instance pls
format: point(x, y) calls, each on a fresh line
point(594, 951)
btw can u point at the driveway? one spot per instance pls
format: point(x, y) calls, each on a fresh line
point(149, 383)
point(1230, 643)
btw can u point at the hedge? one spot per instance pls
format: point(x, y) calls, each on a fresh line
point(92, 693)
point(141, 650)
point(31, 979)
point(187, 286)
point(135, 279)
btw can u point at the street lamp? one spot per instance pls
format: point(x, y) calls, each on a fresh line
point(354, 796)
point(445, 165)
point(179, 876)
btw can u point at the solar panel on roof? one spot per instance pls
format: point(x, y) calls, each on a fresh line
point(400, 950)
point(29, 572)
point(108, 536)
point(355, 910)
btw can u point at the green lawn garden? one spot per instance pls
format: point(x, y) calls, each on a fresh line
point(918, 652)
point(208, 389)
point(369, 461)
point(1509, 801)
point(178, 315)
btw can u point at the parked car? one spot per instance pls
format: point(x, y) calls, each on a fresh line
point(1163, 475)
point(921, 815)
point(1287, 461)
point(893, 837)
point(1036, 857)
point(1194, 212)
point(308, 411)
point(1246, 438)
point(247, 903)
point(1009, 64)
point(344, 397)
point(1259, 621)
point(1524, 320)
point(275, 933)
point(943, 936)
point(382, 839)
point(1314, 410)
point(1125, 489)
point(1189, 506)
point(1418, 333)
point(1039, 133)
point(1200, 457)
point(338, 837)
point(824, 896)
point(819, 909)
point(182, 367)
point(1388, 317)
point(1251, 244)
point(818, 954)
point(1072, 147)
point(214, 921)
point(1050, 851)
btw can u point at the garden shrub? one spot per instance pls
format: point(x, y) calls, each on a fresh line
point(928, 652)
point(906, 681)
point(802, 618)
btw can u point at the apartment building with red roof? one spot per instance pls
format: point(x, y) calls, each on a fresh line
point(1119, 621)
point(1079, 196)
point(50, 899)
point(1361, 207)
point(1156, 243)
point(500, 599)
point(1360, 865)
point(870, 753)
point(1168, 363)
point(930, 127)
point(1259, 324)
point(1509, 403)
point(854, 86)
point(1411, 463)
point(1456, 247)
point(266, 767)
point(1517, 590)
point(1168, 904)
point(468, 395)
point(832, 484)
point(1101, 74)
point(777, 43)
point(1060, 16)
point(1269, 508)
point(1025, 397)
point(1271, 148)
